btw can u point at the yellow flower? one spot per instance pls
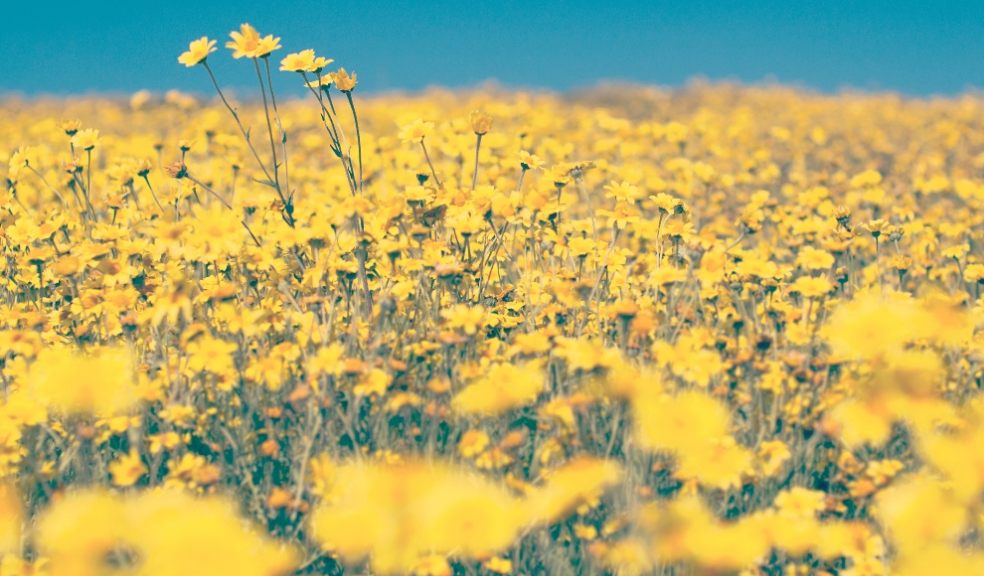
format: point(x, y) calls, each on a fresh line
point(919, 513)
point(304, 61)
point(178, 534)
point(366, 512)
point(472, 443)
point(433, 565)
point(498, 565)
point(100, 382)
point(814, 259)
point(128, 469)
point(81, 530)
point(874, 325)
point(480, 122)
point(344, 81)
point(198, 51)
point(798, 502)
point(502, 387)
point(529, 161)
point(86, 139)
point(720, 463)
point(680, 423)
point(573, 484)
point(416, 131)
point(773, 453)
point(811, 286)
point(248, 42)
point(468, 319)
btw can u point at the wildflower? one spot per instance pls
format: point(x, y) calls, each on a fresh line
point(774, 453)
point(86, 139)
point(872, 325)
point(71, 127)
point(366, 514)
point(666, 204)
point(529, 161)
point(503, 387)
point(127, 470)
point(180, 534)
point(248, 42)
point(100, 382)
point(623, 191)
point(569, 486)
point(877, 227)
point(304, 61)
point(799, 502)
point(472, 443)
point(815, 259)
point(81, 531)
point(718, 463)
point(498, 565)
point(416, 131)
point(811, 287)
point(480, 122)
point(917, 514)
point(198, 51)
point(694, 426)
point(345, 82)
point(468, 319)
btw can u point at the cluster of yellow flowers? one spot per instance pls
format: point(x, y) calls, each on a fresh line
point(710, 330)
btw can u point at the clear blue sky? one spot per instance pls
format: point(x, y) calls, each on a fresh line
point(933, 46)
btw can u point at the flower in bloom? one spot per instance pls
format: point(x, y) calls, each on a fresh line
point(248, 42)
point(873, 325)
point(99, 382)
point(468, 319)
point(86, 139)
point(399, 515)
point(529, 161)
point(799, 502)
point(163, 532)
point(416, 131)
point(501, 388)
point(304, 61)
point(198, 51)
point(569, 486)
point(128, 469)
point(919, 513)
point(811, 287)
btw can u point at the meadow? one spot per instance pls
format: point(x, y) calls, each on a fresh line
point(716, 329)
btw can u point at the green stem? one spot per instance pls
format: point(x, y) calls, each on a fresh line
point(431, 164)
point(358, 134)
point(478, 145)
point(239, 123)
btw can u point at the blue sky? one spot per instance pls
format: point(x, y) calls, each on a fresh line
point(913, 47)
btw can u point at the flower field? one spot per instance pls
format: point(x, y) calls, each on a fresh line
point(708, 330)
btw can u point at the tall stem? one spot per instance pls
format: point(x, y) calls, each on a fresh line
point(49, 186)
point(280, 126)
point(431, 164)
point(266, 113)
point(358, 134)
point(152, 193)
point(478, 145)
point(87, 191)
point(327, 118)
point(239, 123)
